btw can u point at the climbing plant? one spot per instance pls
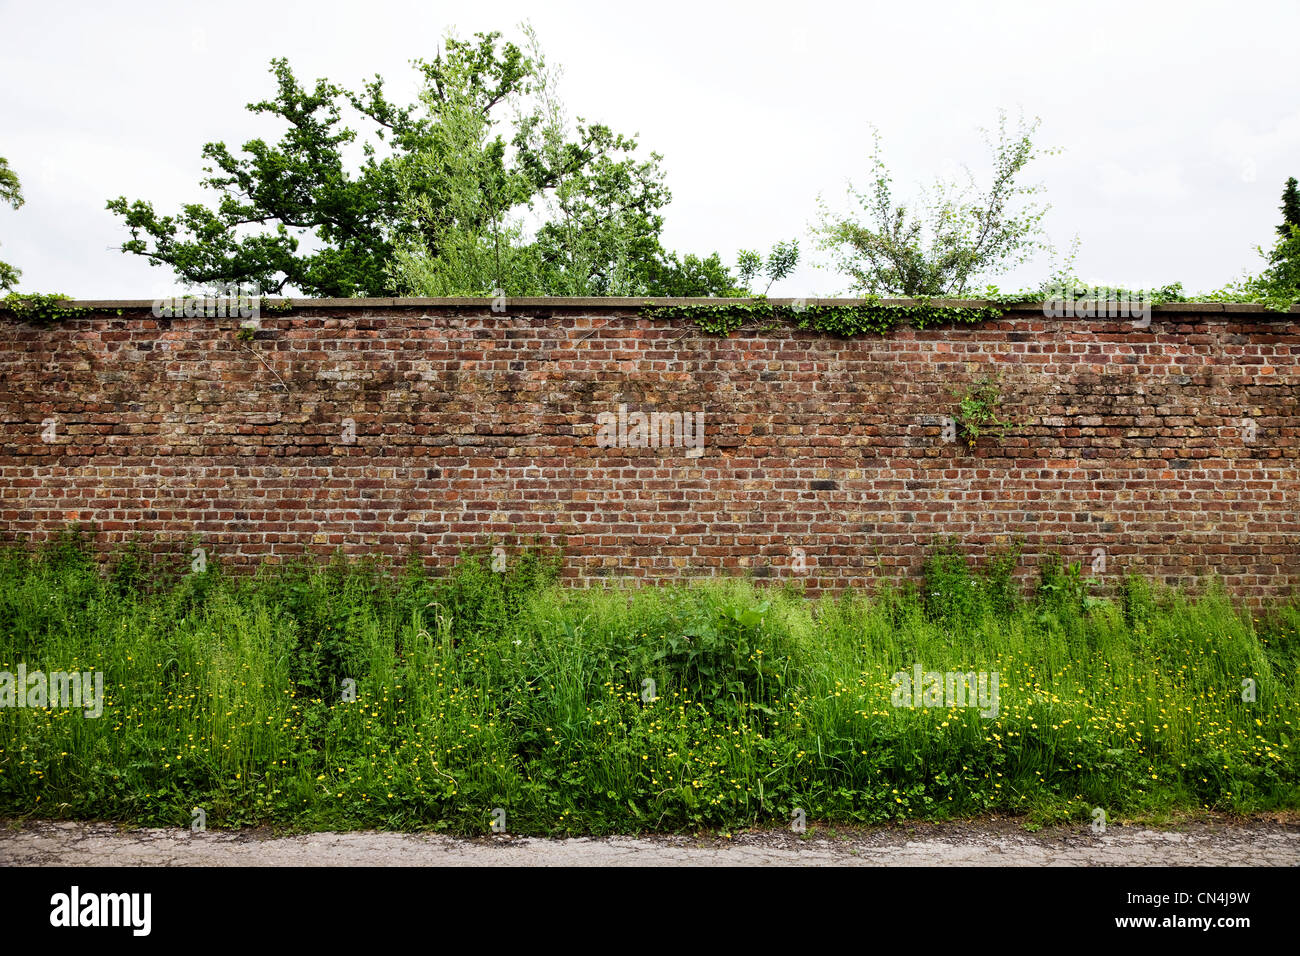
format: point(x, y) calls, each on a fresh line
point(40, 308)
point(870, 317)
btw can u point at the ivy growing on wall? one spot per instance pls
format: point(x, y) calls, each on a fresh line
point(40, 308)
point(873, 317)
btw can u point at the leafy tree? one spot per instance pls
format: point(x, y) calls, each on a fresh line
point(595, 207)
point(10, 192)
point(690, 275)
point(1290, 207)
point(272, 198)
point(1278, 285)
point(779, 264)
point(454, 233)
point(441, 203)
point(957, 234)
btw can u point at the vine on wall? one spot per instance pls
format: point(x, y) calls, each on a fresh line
point(40, 308)
point(846, 321)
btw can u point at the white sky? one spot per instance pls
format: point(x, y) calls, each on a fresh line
point(1179, 121)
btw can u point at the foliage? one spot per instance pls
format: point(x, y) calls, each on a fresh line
point(690, 275)
point(1290, 208)
point(959, 233)
point(596, 207)
point(439, 203)
point(959, 597)
point(273, 198)
point(39, 308)
point(779, 264)
point(1065, 285)
point(455, 187)
point(846, 321)
point(977, 411)
point(1063, 591)
point(620, 709)
point(11, 193)
point(1277, 287)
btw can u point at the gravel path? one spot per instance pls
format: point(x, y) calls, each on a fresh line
point(984, 842)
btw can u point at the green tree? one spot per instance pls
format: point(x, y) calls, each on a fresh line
point(273, 197)
point(779, 264)
point(1290, 207)
point(455, 233)
point(1278, 285)
point(442, 201)
point(11, 192)
point(957, 234)
point(565, 208)
point(690, 275)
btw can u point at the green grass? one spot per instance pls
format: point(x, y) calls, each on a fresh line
point(480, 690)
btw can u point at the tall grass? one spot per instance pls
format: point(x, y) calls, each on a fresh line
point(353, 695)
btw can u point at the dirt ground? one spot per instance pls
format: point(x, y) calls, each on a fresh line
point(999, 842)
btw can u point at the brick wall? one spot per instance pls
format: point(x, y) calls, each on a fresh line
point(375, 425)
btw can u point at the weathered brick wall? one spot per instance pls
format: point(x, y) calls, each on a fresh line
point(1172, 448)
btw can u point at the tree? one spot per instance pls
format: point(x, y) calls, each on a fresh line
point(11, 192)
point(958, 235)
point(441, 203)
point(1290, 207)
point(780, 263)
point(690, 275)
point(454, 234)
point(594, 206)
point(1278, 285)
point(272, 198)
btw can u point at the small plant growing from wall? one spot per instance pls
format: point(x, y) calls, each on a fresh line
point(977, 411)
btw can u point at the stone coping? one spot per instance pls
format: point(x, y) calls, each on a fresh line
point(617, 304)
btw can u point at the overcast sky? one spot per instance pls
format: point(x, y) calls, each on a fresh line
point(1179, 121)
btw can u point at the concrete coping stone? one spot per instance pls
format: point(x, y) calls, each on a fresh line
point(623, 304)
